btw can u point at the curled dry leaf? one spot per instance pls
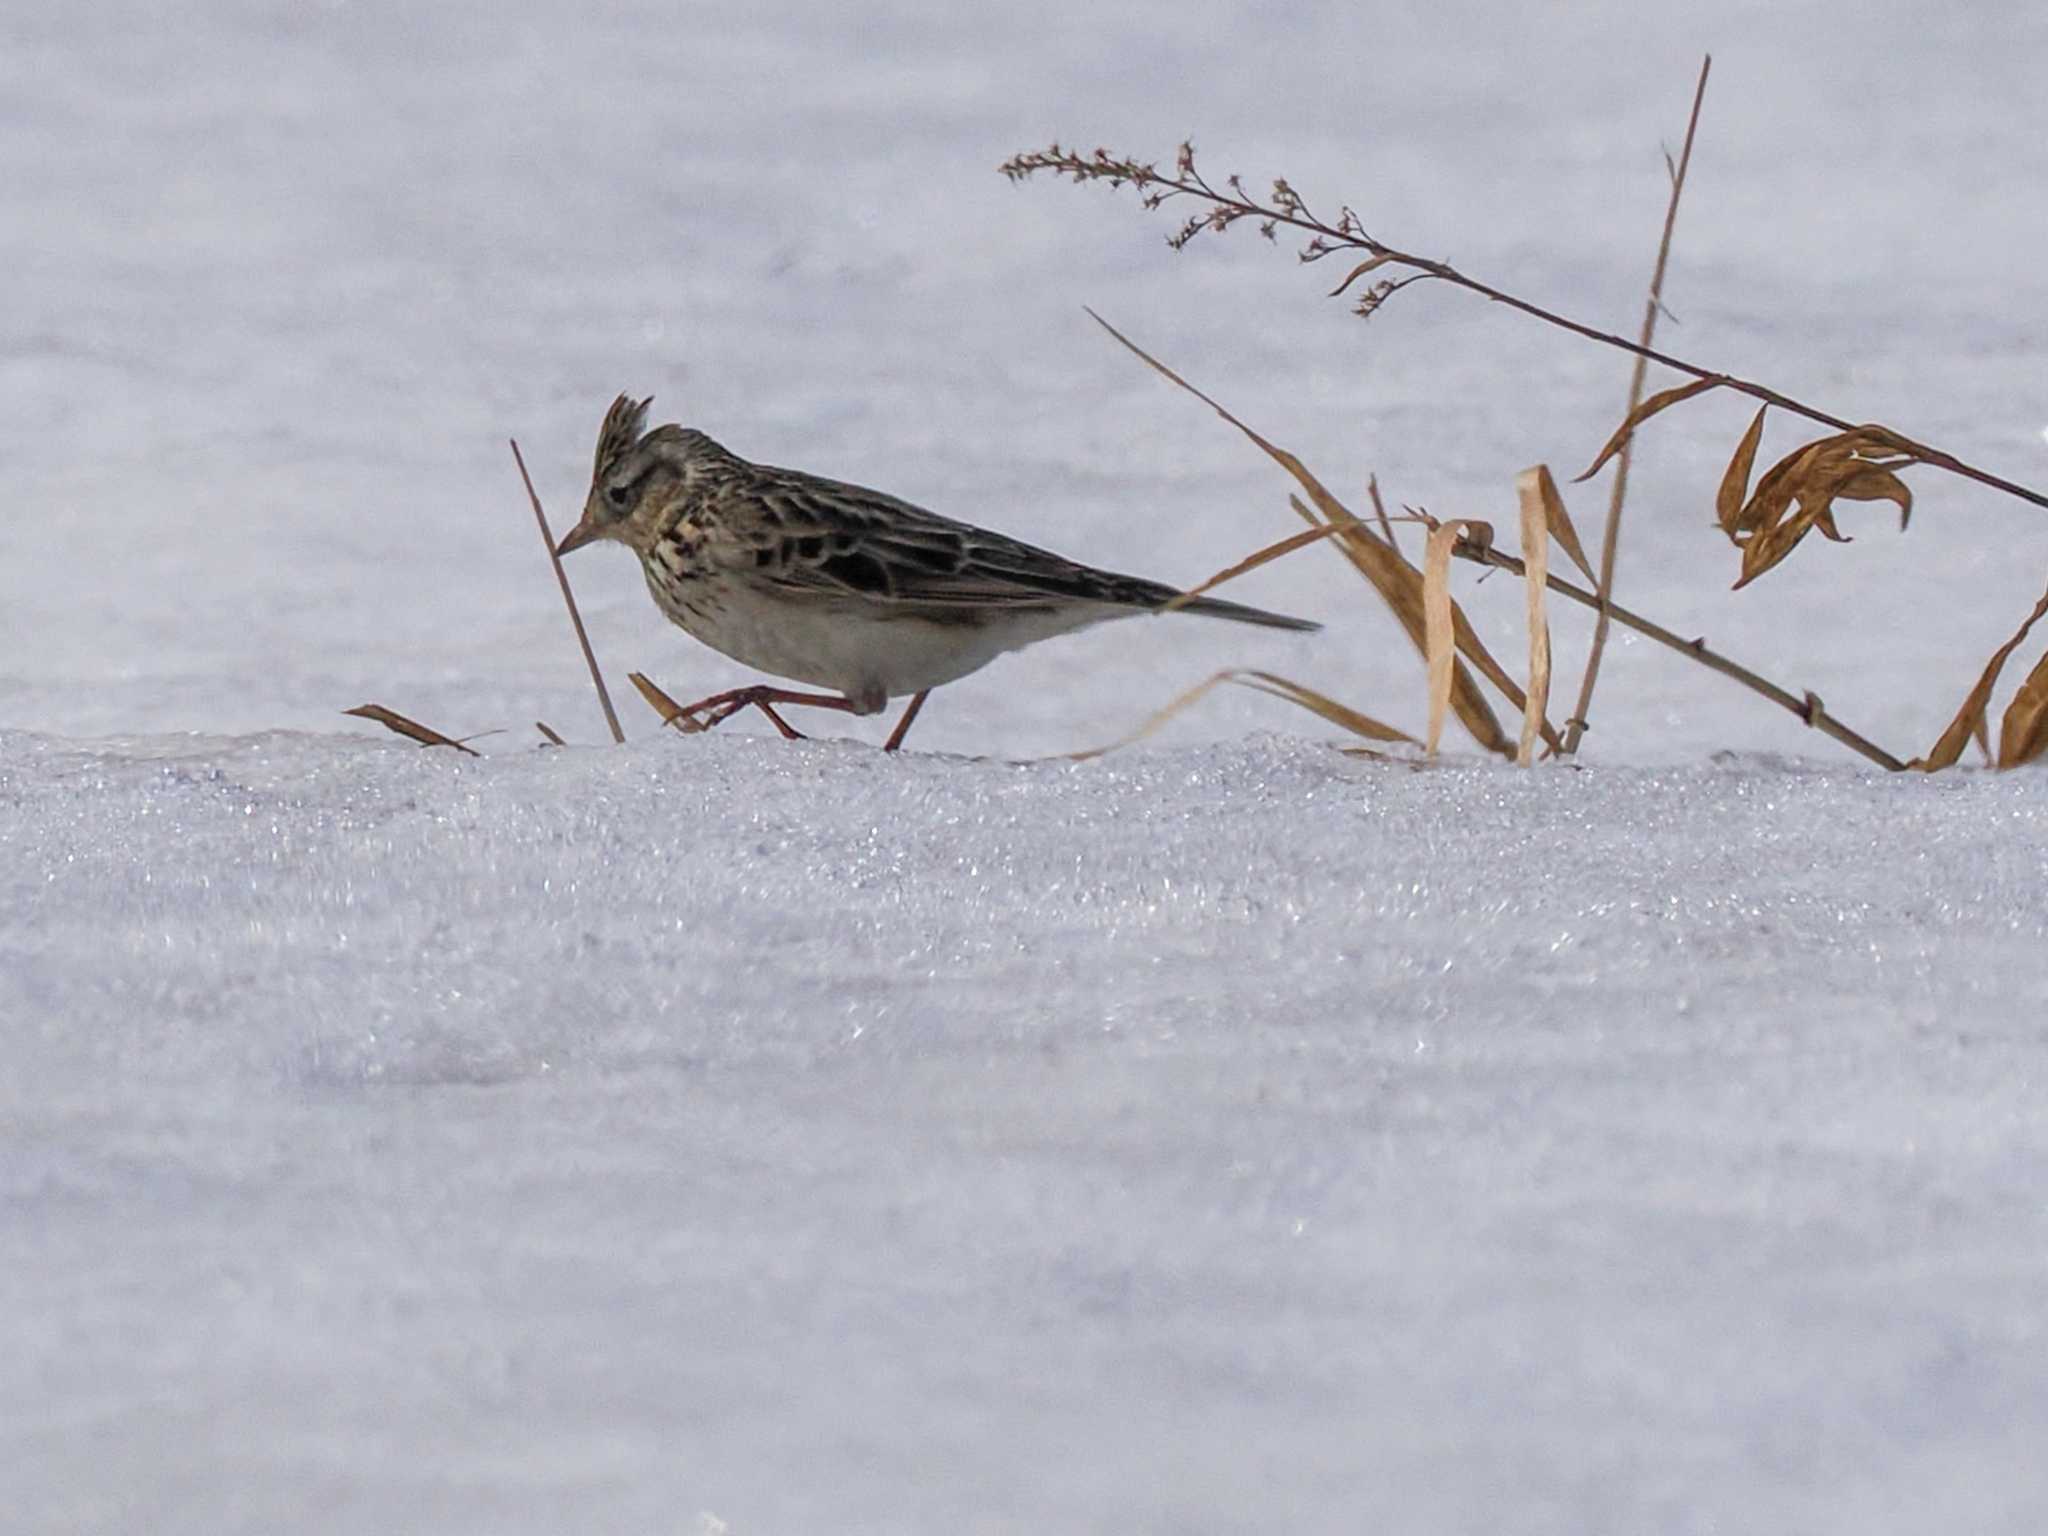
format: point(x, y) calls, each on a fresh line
point(1969, 720)
point(1662, 400)
point(1858, 465)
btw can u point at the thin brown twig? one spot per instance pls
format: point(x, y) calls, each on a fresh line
point(1326, 239)
point(1372, 489)
point(547, 539)
point(1808, 707)
point(1610, 541)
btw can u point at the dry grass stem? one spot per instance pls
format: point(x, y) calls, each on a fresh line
point(1286, 209)
point(1538, 496)
point(1807, 707)
point(1398, 582)
point(548, 731)
point(1252, 562)
point(1262, 682)
point(412, 730)
point(547, 539)
point(1379, 510)
point(1610, 541)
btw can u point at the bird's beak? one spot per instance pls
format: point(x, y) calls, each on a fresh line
point(577, 537)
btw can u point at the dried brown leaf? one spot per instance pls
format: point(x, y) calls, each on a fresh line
point(1879, 483)
point(1556, 519)
point(2023, 734)
point(1537, 493)
point(1662, 400)
point(1369, 264)
point(1728, 501)
point(670, 711)
point(392, 720)
point(1969, 720)
point(1851, 466)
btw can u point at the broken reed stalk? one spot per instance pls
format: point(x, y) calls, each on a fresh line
point(1379, 508)
point(1610, 541)
point(547, 539)
point(1288, 209)
point(1809, 708)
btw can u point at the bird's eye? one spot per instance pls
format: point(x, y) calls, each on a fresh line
point(616, 495)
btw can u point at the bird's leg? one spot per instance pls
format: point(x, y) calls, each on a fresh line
point(903, 726)
point(789, 732)
point(721, 707)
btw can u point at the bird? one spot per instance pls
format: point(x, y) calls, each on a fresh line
point(835, 585)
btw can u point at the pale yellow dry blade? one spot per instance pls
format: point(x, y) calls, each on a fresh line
point(1437, 644)
point(1253, 561)
point(1352, 720)
point(670, 711)
point(1537, 525)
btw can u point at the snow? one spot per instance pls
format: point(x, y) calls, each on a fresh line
point(726, 1134)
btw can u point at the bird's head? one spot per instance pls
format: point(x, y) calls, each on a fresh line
point(635, 476)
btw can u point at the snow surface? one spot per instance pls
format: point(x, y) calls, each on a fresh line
point(729, 1135)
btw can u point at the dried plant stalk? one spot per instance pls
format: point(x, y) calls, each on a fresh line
point(1252, 562)
point(1807, 707)
point(1322, 704)
point(1233, 204)
point(547, 538)
point(1398, 582)
point(1542, 510)
point(1610, 542)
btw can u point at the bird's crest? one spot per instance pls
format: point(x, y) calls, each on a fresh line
point(621, 430)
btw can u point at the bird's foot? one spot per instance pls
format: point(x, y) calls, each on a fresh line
point(721, 707)
point(708, 714)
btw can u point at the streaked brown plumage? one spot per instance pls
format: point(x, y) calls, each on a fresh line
point(833, 584)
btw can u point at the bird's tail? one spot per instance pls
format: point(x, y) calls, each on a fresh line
point(1217, 608)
